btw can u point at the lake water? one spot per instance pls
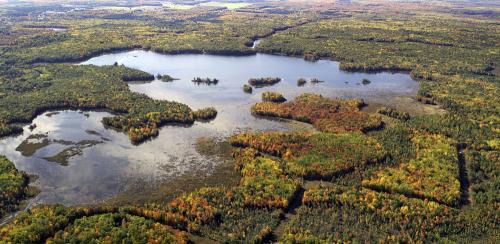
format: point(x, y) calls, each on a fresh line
point(233, 72)
point(110, 163)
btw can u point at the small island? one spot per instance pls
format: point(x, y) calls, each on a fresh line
point(261, 82)
point(247, 88)
point(205, 114)
point(301, 82)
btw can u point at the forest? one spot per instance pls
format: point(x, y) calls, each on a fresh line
point(91, 87)
point(14, 186)
point(359, 176)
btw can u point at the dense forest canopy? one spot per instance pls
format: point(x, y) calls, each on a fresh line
point(359, 176)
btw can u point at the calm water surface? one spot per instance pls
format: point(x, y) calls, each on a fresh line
point(100, 171)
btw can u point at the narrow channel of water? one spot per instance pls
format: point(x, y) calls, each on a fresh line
point(256, 43)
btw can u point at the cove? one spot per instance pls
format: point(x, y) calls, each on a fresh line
point(103, 163)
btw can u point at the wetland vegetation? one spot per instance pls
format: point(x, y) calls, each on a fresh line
point(325, 114)
point(357, 175)
point(394, 113)
point(273, 97)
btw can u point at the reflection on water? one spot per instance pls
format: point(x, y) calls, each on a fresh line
point(102, 162)
point(233, 72)
point(110, 165)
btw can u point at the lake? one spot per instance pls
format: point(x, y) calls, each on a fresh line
point(79, 161)
point(233, 72)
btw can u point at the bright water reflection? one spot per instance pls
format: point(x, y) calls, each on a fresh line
point(109, 166)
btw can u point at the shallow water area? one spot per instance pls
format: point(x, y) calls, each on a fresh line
point(79, 161)
point(106, 167)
